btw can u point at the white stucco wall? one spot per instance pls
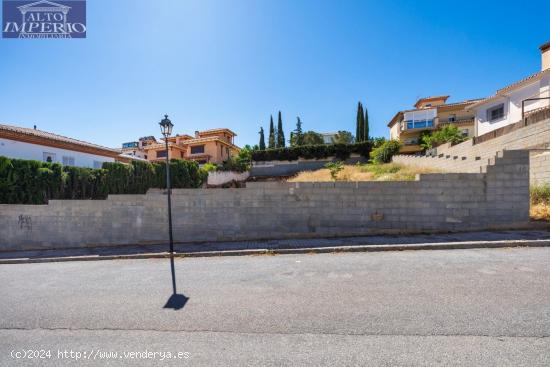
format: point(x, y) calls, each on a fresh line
point(21, 150)
point(512, 106)
point(221, 177)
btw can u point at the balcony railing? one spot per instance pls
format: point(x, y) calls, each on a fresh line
point(459, 121)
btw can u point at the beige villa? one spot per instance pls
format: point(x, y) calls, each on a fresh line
point(430, 113)
point(208, 146)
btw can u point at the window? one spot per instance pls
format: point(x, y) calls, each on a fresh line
point(68, 161)
point(412, 141)
point(98, 164)
point(465, 132)
point(161, 154)
point(198, 149)
point(452, 118)
point(133, 144)
point(496, 112)
point(419, 124)
point(48, 157)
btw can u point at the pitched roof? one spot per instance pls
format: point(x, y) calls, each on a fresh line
point(217, 130)
point(45, 2)
point(47, 137)
point(545, 46)
point(525, 81)
point(461, 103)
point(432, 98)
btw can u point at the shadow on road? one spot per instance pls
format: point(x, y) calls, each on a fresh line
point(176, 301)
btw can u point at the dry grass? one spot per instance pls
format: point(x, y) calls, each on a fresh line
point(364, 172)
point(540, 211)
point(540, 202)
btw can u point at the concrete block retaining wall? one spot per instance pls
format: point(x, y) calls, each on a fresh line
point(289, 168)
point(498, 198)
point(467, 157)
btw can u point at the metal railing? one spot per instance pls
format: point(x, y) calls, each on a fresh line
point(532, 111)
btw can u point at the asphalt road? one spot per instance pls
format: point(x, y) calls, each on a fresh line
point(487, 307)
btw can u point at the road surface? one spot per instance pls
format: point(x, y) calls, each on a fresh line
point(486, 307)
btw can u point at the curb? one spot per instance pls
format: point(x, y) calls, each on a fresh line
point(305, 250)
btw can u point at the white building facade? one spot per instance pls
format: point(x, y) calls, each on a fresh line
point(514, 102)
point(31, 144)
point(21, 150)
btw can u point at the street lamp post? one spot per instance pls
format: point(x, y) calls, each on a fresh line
point(166, 130)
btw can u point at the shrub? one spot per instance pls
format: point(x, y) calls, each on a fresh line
point(334, 168)
point(386, 151)
point(319, 151)
point(209, 167)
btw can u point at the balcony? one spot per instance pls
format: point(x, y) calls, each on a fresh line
point(417, 124)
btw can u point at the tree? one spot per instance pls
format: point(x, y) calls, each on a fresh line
point(280, 132)
point(426, 140)
point(343, 137)
point(271, 143)
point(297, 136)
point(376, 142)
point(360, 124)
point(312, 138)
point(262, 139)
point(366, 128)
point(448, 134)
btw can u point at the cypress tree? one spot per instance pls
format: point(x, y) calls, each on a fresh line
point(297, 137)
point(280, 133)
point(271, 142)
point(360, 124)
point(366, 129)
point(262, 139)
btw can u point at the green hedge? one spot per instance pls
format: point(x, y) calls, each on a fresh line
point(35, 182)
point(340, 151)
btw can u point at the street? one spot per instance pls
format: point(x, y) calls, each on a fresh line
point(484, 307)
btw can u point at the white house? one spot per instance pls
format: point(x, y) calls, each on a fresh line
point(26, 143)
point(510, 104)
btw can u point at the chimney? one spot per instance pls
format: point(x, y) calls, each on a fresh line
point(545, 55)
point(196, 134)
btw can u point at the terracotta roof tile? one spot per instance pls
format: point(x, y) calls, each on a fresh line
point(524, 80)
point(54, 137)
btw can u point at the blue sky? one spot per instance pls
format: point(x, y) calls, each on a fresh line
point(233, 63)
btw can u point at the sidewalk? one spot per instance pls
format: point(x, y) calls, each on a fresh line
point(535, 238)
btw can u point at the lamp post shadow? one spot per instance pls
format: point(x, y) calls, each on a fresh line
point(176, 301)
